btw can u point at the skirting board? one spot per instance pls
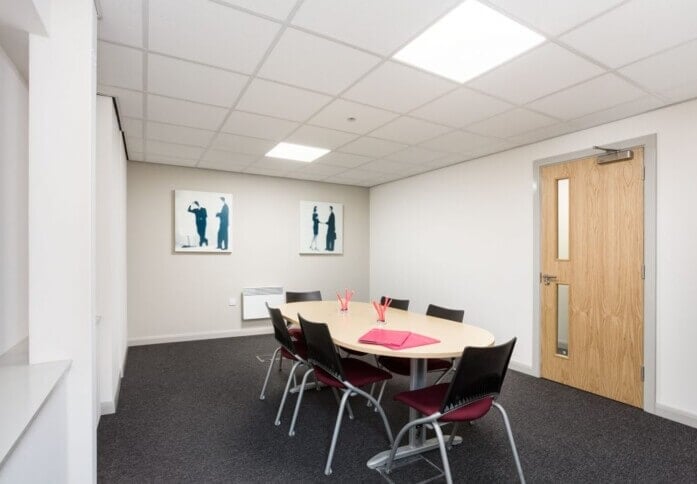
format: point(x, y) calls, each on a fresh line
point(523, 368)
point(676, 415)
point(176, 338)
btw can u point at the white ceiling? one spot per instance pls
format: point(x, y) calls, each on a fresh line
point(217, 83)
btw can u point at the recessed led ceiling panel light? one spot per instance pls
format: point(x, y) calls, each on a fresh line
point(290, 151)
point(468, 41)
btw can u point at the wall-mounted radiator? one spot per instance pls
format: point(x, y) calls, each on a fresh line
point(254, 299)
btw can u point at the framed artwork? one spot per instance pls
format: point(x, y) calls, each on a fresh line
point(202, 221)
point(321, 228)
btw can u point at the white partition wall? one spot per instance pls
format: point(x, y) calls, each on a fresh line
point(61, 217)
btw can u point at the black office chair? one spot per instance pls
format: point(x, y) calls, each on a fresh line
point(291, 349)
point(402, 304)
point(402, 366)
point(469, 396)
point(345, 374)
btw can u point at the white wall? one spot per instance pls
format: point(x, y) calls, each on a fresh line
point(463, 236)
point(62, 122)
point(13, 200)
point(40, 456)
point(111, 254)
point(183, 296)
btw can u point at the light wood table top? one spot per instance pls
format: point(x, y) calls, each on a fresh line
point(347, 327)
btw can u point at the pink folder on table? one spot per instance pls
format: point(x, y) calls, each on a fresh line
point(396, 340)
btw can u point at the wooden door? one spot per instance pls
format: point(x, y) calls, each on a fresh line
point(592, 242)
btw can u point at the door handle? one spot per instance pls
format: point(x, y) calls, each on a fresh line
point(547, 279)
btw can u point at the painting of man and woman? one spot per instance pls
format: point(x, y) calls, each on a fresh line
point(321, 228)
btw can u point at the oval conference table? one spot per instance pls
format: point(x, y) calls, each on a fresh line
point(348, 326)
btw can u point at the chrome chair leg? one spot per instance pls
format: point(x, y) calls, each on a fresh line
point(382, 391)
point(280, 362)
point(388, 429)
point(400, 435)
point(452, 435)
point(338, 402)
point(507, 424)
point(443, 453)
point(372, 389)
point(262, 396)
point(337, 427)
point(291, 432)
point(291, 377)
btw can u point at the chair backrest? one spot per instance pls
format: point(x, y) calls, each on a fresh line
point(402, 304)
point(456, 315)
point(320, 348)
point(280, 330)
point(479, 375)
point(292, 297)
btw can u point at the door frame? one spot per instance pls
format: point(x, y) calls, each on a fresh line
point(649, 144)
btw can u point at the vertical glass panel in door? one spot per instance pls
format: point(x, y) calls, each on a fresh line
point(563, 319)
point(563, 219)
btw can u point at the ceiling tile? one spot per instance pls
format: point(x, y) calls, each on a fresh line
point(320, 137)
point(600, 93)
point(615, 113)
point(554, 16)
point(449, 160)
point(544, 133)
point(278, 164)
point(416, 155)
point(132, 126)
point(320, 171)
point(389, 166)
point(224, 160)
point(458, 142)
point(542, 71)
point(179, 134)
point(355, 176)
point(193, 82)
point(667, 70)
point(172, 149)
point(184, 113)
point(344, 160)
point(255, 169)
point(130, 103)
point(312, 62)
point(273, 99)
point(278, 9)
point(242, 144)
point(258, 126)
point(372, 147)
point(650, 26)
point(461, 107)
point(681, 93)
point(209, 33)
point(336, 115)
point(409, 130)
point(377, 25)
point(120, 66)
point(511, 123)
point(170, 160)
point(134, 144)
point(122, 21)
point(398, 88)
point(135, 156)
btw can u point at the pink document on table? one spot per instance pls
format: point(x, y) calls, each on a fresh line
point(396, 340)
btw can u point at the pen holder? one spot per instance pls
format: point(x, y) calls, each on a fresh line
point(344, 302)
point(381, 309)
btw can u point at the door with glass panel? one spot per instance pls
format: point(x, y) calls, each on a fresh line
point(591, 282)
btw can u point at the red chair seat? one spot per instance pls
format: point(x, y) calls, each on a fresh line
point(428, 401)
point(300, 347)
point(357, 372)
point(401, 366)
point(295, 332)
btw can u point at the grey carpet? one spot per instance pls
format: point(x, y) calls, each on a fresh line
point(189, 412)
